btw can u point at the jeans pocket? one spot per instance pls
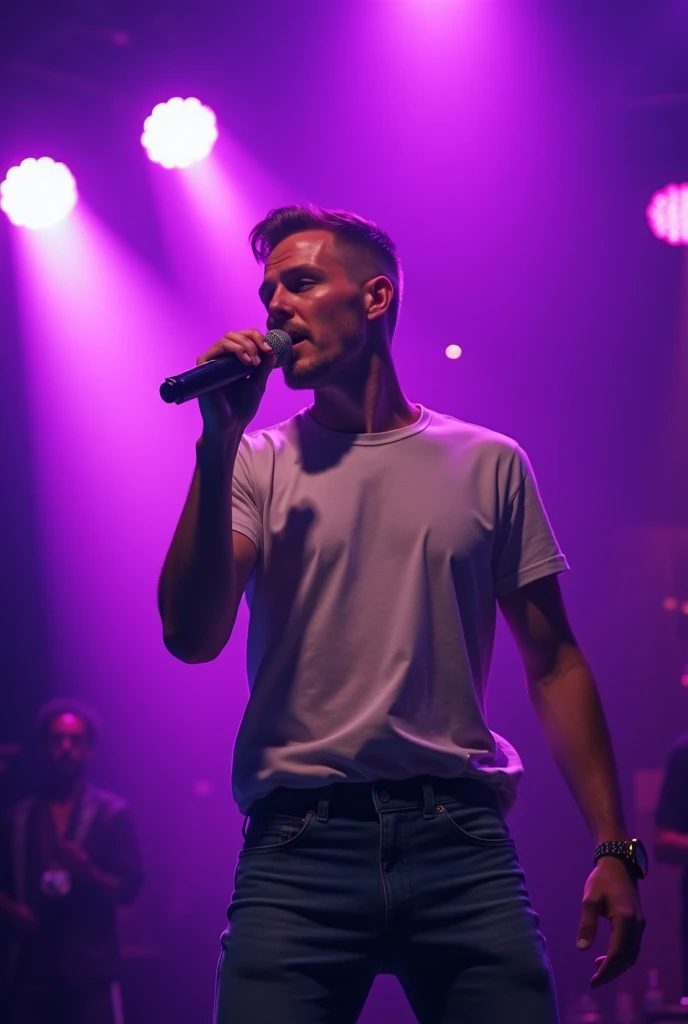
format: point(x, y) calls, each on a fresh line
point(483, 826)
point(272, 831)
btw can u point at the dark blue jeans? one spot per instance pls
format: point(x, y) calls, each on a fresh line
point(419, 879)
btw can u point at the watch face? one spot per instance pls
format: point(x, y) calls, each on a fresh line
point(639, 854)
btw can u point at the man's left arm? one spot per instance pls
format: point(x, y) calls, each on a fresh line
point(120, 876)
point(566, 699)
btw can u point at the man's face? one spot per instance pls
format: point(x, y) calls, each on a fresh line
point(308, 293)
point(68, 745)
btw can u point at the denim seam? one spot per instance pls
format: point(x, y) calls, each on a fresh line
point(409, 872)
point(273, 847)
point(382, 874)
point(446, 817)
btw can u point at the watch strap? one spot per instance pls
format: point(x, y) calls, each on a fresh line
point(622, 849)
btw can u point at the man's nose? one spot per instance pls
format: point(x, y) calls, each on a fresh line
point(280, 308)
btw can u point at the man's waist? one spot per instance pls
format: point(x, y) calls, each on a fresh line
point(365, 800)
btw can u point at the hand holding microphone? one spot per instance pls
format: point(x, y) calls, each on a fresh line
point(230, 378)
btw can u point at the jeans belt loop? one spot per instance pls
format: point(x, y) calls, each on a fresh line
point(428, 800)
point(324, 804)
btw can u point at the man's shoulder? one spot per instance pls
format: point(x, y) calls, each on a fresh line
point(273, 437)
point(472, 436)
point(441, 429)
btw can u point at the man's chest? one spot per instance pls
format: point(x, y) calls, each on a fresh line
point(380, 508)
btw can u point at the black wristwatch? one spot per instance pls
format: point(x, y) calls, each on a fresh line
point(631, 851)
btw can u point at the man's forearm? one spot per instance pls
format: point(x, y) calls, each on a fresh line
point(570, 710)
point(198, 581)
point(108, 885)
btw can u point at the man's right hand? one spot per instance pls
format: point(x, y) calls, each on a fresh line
point(229, 410)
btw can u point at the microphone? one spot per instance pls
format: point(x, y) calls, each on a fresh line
point(217, 373)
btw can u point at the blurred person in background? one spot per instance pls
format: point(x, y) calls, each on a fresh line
point(69, 856)
point(671, 840)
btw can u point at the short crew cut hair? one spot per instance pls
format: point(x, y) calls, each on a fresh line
point(67, 706)
point(348, 228)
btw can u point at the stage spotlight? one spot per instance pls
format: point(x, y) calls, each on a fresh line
point(453, 352)
point(38, 193)
point(179, 133)
point(667, 214)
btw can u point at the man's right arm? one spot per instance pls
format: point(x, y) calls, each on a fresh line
point(208, 564)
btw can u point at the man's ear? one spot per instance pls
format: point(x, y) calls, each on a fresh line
point(378, 295)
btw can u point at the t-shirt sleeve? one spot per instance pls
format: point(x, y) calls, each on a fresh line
point(525, 548)
point(246, 517)
point(672, 809)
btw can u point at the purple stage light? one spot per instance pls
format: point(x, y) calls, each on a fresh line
point(179, 133)
point(453, 351)
point(38, 193)
point(667, 214)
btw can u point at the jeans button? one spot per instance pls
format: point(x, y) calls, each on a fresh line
point(384, 796)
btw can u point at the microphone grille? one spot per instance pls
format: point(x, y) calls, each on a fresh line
point(281, 345)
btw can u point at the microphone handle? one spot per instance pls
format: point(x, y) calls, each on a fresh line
point(216, 373)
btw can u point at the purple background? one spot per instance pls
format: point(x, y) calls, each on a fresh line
point(510, 149)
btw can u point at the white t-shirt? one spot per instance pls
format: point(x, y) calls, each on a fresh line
point(373, 600)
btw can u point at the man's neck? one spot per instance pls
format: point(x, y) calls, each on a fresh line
point(372, 403)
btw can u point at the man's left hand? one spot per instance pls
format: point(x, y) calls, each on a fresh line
point(74, 859)
point(612, 892)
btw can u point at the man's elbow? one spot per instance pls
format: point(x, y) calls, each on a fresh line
point(191, 650)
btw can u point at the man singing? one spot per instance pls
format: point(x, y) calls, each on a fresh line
point(68, 858)
point(375, 539)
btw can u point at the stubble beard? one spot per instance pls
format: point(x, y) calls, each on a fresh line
point(315, 373)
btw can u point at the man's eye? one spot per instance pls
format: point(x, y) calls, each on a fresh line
point(304, 282)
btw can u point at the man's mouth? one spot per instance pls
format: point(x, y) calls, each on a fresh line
point(297, 336)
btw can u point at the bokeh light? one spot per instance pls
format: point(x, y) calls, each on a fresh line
point(453, 351)
point(667, 214)
point(38, 193)
point(670, 604)
point(179, 133)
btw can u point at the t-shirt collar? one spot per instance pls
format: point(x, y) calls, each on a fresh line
point(385, 437)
